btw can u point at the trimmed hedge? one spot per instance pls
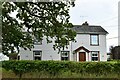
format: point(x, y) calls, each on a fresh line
point(56, 67)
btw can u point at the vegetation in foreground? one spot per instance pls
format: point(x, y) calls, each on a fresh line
point(60, 69)
point(68, 74)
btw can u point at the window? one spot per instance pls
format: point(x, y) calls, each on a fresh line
point(37, 55)
point(64, 55)
point(94, 40)
point(94, 55)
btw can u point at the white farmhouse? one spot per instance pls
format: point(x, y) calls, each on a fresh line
point(90, 45)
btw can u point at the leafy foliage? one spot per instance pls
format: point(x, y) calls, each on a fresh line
point(56, 67)
point(12, 56)
point(115, 52)
point(50, 19)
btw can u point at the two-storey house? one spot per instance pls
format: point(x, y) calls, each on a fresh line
point(90, 45)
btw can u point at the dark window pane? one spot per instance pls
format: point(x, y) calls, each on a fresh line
point(94, 54)
point(64, 58)
point(37, 55)
point(37, 58)
point(64, 55)
point(94, 58)
point(37, 52)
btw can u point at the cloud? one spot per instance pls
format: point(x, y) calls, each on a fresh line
point(97, 12)
point(93, 10)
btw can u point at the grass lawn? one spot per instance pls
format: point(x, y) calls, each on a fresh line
point(10, 74)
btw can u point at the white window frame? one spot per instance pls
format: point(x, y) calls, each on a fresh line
point(40, 54)
point(95, 52)
point(91, 40)
point(64, 56)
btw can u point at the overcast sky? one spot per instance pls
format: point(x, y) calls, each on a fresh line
point(98, 12)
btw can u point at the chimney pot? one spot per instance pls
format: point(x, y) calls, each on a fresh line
point(85, 23)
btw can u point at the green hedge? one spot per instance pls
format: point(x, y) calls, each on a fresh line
point(56, 67)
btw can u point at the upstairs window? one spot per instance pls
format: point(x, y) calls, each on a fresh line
point(94, 40)
point(64, 55)
point(37, 55)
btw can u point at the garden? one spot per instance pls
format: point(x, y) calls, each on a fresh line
point(60, 69)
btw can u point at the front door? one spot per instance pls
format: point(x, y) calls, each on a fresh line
point(82, 56)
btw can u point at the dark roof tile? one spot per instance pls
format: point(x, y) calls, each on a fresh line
point(89, 29)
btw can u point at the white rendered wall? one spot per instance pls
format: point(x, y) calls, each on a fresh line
point(48, 53)
point(26, 54)
point(84, 40)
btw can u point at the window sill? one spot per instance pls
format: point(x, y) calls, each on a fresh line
point(94, 45)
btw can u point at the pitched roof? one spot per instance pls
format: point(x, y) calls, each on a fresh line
point(85, 28)
point(82, 48)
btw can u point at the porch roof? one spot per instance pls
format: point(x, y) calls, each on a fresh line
point(81, 47)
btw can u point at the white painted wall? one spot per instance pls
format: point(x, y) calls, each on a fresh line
point(84, 40)
point(48, 53)
point(26, 54)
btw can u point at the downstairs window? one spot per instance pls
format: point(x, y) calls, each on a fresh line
point(94, 55)
point(37, 55)
point(64, 55)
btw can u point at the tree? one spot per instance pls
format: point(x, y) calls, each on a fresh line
point(50, 19)
point(115, 52)
point(0, 27)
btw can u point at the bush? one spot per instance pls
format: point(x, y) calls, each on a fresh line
point(18, 67)
point(56, 67)
point(99, 68)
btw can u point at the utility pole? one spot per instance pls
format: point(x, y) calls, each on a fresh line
point(119, 23)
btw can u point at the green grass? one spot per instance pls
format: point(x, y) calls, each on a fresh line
point(0, 70)
point(68, 74)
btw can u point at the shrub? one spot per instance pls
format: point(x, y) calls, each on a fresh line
point(18, 67)
point(99, 68)
point(56, 67)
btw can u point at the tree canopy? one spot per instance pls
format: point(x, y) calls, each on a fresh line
point(115, 52)
point(50, 19)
